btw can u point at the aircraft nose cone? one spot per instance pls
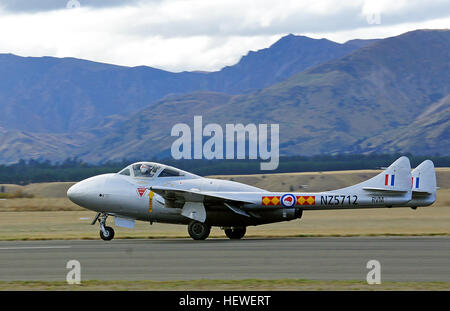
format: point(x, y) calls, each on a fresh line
point(74, 194)
point(86, 192)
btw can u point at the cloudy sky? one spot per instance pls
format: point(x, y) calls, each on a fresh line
point(179, 35)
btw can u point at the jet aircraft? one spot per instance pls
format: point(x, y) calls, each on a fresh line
point(155, 192)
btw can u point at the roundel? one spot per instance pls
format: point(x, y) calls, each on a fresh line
point(288, 200)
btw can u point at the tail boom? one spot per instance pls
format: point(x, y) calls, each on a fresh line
point(396, 186)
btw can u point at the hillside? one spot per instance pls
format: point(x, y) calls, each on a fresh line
point(286, 57)
point(363, 96)
point(61, 95)
point(428, 134)
point(15, 145)
point(331, 108)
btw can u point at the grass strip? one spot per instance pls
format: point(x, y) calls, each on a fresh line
point(213, 285)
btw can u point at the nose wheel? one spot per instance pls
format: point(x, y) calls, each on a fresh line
point(106, 233)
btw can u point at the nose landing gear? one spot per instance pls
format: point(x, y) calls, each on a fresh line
point(106, 233)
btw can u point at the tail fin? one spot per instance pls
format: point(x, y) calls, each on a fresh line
point(423, 184)
point(424, 178)
point(396, 178)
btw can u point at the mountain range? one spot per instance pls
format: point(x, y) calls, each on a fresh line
point(363, 96)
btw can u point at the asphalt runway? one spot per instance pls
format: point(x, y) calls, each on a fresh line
point(401, 259)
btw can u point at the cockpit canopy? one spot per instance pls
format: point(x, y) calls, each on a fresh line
point(144, 170)
point(150, 170)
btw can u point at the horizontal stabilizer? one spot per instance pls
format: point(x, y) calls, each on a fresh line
point(383, 189)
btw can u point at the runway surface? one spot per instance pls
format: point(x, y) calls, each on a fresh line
point(401, 259)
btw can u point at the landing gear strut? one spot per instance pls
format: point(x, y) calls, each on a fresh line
point(106, 233)
point(198, 230)
point(235, 233)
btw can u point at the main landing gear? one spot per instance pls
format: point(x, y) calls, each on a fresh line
point(106, 233)
point(198, 230)
point(235, 233)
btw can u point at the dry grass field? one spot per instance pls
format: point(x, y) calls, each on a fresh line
point(50, 215)
point(226, 285)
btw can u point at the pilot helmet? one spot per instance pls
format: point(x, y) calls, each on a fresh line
point(144, 168)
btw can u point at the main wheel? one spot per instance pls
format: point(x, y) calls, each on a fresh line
point(235, 233)
point(198, 230)
point(109, 235)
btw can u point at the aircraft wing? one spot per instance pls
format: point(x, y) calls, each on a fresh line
point(192, 201)
point(194, 195)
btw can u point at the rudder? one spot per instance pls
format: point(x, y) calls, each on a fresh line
point(423, 184)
